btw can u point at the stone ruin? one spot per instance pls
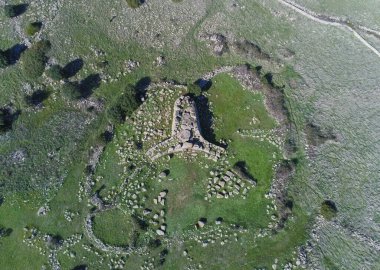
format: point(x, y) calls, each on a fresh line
point(186, 135)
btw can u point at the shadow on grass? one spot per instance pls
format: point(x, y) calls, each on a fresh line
point(204, 84)
point(80, 267)
point(14, 53)
point(72, 68)
point(15, 10)
point(37, 97)
point(241, 168)
point(89, 84)
point(142, 86)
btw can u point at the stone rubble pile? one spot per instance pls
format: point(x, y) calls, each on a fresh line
point(186, 135)
point(226, 186)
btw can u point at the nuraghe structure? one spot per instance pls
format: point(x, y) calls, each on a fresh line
point(186, 136)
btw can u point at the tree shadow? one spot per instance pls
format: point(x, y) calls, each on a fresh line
point(204, 84)
point(89, 84)
point(72, 68)
point(15, 10)
point(142, 86)
point(37, 97)
point(14, 53)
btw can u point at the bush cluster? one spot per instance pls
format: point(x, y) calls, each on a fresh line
point(125, 105)
point(6, 119)
point(5, 232)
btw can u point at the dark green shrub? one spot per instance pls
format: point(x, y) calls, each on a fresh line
point(55, 72)
point(6, 119)
point(71, 91)
point(134, 3)
point(33, 63)
point(33, 28)
point(80, 267)
point(33, 60)
point(3, 59)
point(5, 232)
point(125, 105)
point(328, 210)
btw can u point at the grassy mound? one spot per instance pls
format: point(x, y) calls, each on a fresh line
point(114, 227)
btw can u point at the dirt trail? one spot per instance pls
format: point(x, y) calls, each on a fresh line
point(332, 21)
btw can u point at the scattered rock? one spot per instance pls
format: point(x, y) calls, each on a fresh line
point(201, 223)
point(160, 61)
point(218, 221)
point(217, 42)
point(160, 232)
point(147, 211)
point(163, 174)
point(42, 211)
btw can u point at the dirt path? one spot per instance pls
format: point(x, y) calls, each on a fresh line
point(332, 21)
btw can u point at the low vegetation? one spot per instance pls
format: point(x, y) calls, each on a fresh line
point(71, 90)
point(115, 228)
point(328, 210)
point(33, 28)
point(134, 3)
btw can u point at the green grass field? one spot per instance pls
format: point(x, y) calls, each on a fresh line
point(328, 79)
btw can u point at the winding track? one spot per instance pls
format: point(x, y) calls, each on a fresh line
point(332, 21)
